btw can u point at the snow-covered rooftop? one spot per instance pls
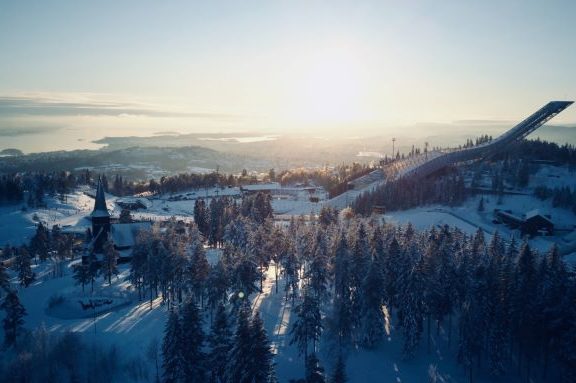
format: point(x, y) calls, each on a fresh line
point(124, 234)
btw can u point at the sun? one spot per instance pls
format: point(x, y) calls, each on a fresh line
point(329, 85)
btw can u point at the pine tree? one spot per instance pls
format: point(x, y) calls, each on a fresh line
point(40, 243)
point(468, 346)
point(308, 326)
point(314, 371)
point(372, 317)
point(82, 275)
point(192, 341)
point(220, 342)
point(341, 319)
point(172, 361)
point(241, 353)
point(217, 285)
point(198, 270)
point(410, 313)
point(24, 268)
point(317, 272)
point(261, 368)
point(110, 261)
point(524, 303)
point(13, 320)
point(339, 373)
point(201, 216)
point(4, 278)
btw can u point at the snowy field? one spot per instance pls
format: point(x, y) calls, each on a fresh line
point(469, 219)
point(17, 226)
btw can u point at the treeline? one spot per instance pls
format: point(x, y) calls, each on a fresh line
point(14, 186)
point(406, 193)
point(11, 189)
point(335, 181)
point(561, 196)
point(541, 150)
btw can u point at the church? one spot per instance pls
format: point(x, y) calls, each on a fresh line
point(105, 227)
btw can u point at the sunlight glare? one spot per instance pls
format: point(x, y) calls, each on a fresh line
point(330, 85)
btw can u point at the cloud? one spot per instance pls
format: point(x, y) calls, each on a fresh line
point(24, 131)
point(91, 105)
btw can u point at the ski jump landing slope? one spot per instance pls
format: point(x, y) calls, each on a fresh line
point(427, 163)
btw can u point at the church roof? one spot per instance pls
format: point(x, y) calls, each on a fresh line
point(124, 234)
point(100, 209)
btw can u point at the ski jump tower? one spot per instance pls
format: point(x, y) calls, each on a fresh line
point(425, 164)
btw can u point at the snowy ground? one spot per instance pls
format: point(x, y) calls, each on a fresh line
point(469, 219)
point(17, 225)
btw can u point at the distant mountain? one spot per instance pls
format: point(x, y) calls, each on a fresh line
point(10, 152)
point(136, 162)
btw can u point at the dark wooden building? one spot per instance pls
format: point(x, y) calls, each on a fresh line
point(536, 223)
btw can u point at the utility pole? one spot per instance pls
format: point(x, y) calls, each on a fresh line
point(393, 153)
point(426, 149)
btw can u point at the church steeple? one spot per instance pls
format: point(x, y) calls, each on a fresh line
point(100, 219)
point(100, 209)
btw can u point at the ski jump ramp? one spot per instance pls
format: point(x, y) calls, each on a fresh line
point(428, 163)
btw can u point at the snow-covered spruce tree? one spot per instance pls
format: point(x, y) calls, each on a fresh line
point(410, 312)
point(429, 268)
point(109, 261)
point(4, 279)
point(40, 242)
point(217, 285)
point(172, 361)
point(391, 274)
point(565, 348)
point(201, 216)
point(339, 373)
point(360, 262)
point(241, 353)
point(314, 371)
point(236, 233)
point(257, 247)
point(217, 206)
point(192, 342)
point(278, 246)
point(220, 344)
point(14, 318)
point(372, 318)
point(81, 274)
point(341, 316)
point(245, 274)
point(497, 310)
point(198, 269)
point(261, 368)
point(317, 271)
point(23, 266)
point(139, 262)
point(291, 265)
point(468, 346)
point(93, 270)
point(554, 282)
point(308, 326)
point(523, 307)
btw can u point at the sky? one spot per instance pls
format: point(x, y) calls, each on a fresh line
point(87, 68)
